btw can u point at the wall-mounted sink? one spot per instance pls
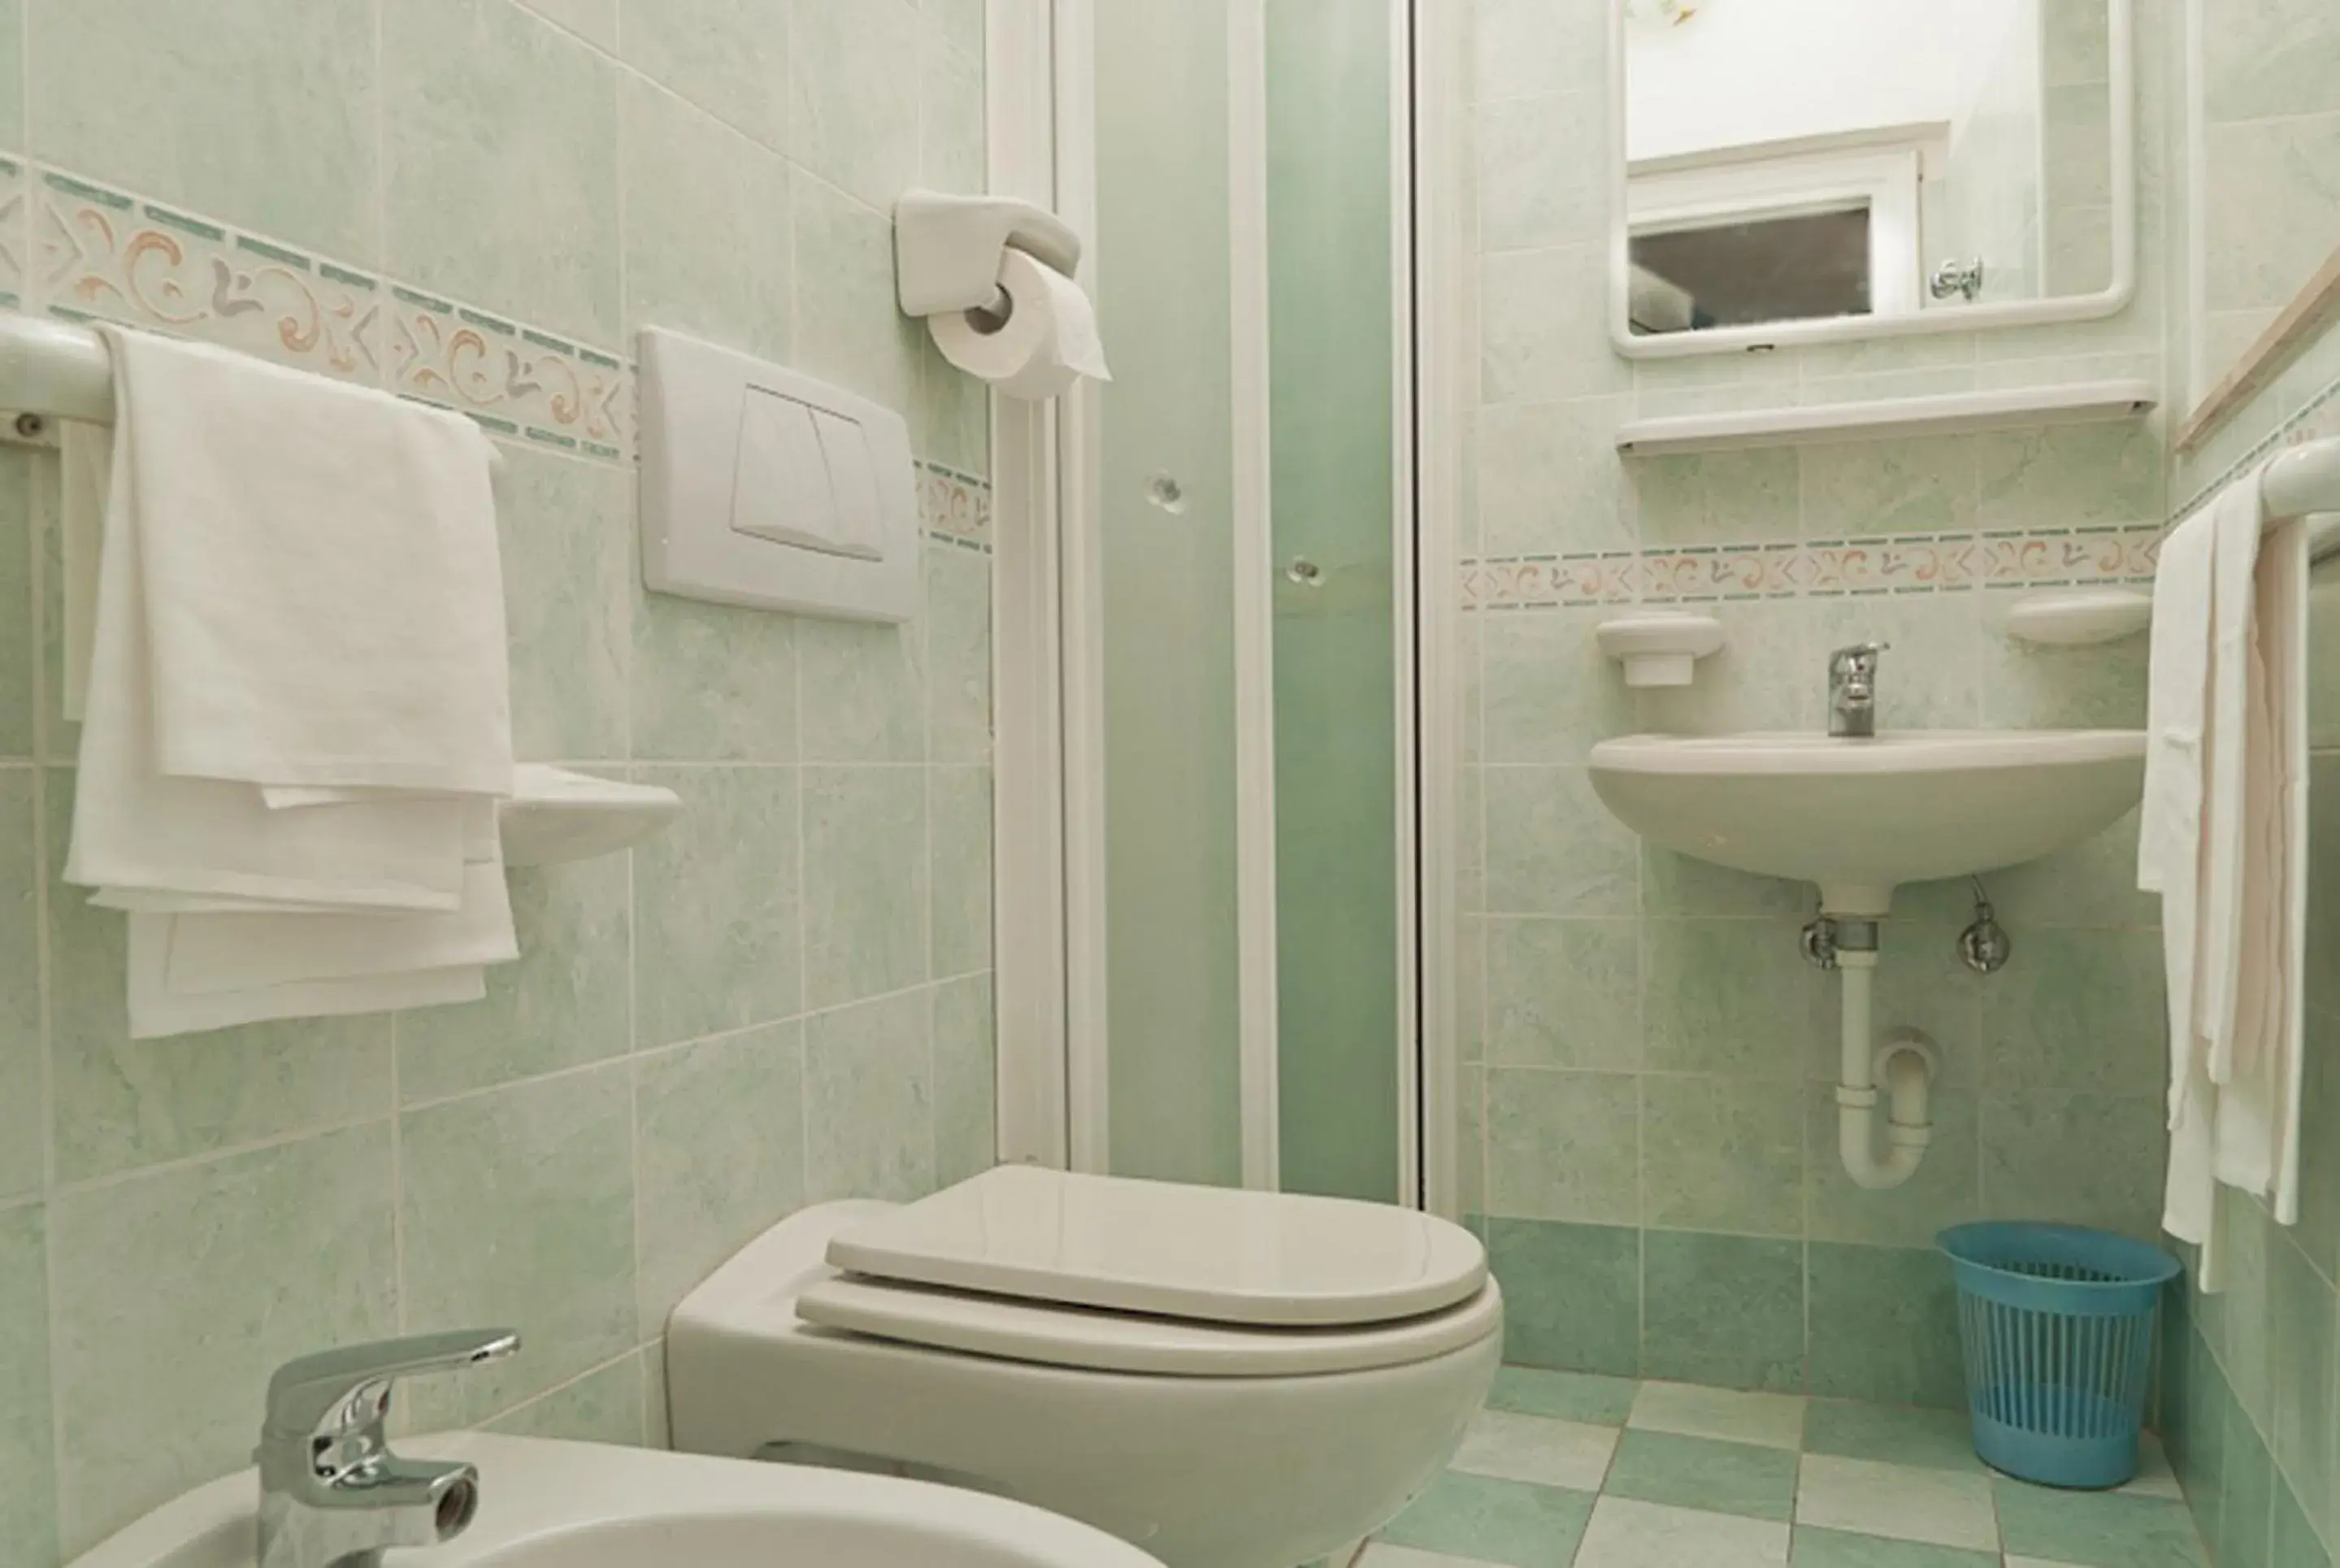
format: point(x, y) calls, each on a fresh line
point(584, 1506)
point(1861, 817)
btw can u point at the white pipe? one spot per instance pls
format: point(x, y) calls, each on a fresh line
point(1909, 1080)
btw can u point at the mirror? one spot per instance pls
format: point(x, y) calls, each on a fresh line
point(1802, 170)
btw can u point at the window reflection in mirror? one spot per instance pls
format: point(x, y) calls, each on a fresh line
point(1816, 160)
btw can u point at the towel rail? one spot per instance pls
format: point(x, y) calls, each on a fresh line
point(53, 371)
point(2304, 482)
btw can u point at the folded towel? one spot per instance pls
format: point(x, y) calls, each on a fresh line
point(85, 456)
point(323, 590)
point(156, 1013)
point(2224, 841)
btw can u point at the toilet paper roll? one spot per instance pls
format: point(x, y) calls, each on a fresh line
point(1047, 343)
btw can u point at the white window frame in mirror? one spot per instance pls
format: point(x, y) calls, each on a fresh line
point(2120, 16)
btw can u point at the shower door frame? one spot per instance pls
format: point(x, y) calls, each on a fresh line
point(1053, 1050)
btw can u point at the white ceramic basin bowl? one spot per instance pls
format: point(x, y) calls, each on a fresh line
point(583, 1505)
point(1861, 817)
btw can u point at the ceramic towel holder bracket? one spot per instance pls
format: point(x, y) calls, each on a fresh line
point(947, 249)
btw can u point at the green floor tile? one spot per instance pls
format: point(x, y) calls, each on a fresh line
point(1700, 1473)
point(2095, 1529)
point(1838, 1549)
point(1563, 1395)
point(1509, 1523)
point(1891, 1434)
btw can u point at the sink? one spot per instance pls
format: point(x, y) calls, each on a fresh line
point(1861, 817)
point(545, 1505)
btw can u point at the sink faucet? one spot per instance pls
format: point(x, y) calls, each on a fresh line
point(1852, 690)
point(332, 1493)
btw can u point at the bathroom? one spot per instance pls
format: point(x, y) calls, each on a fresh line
point(1216, 803)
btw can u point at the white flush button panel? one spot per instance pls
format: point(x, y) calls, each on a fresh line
point(765, 488)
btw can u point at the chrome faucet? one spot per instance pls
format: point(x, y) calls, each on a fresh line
point(332, 1493)
point(1852, 690)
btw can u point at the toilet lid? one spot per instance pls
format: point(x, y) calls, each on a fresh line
point(1087, 1340)
point(1209, 1255)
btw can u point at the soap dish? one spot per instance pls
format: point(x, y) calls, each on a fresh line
point(2080, 619)
point(1661, 647)
point(555, 816)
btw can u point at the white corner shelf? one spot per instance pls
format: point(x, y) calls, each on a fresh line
point(555, 817)
point(2079, 618)
point(1951, 414)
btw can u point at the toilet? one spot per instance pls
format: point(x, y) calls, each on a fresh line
point(1226, 1379)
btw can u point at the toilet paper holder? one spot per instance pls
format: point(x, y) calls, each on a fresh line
point(947, 249)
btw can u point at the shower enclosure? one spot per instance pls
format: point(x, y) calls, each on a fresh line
point(1209, 728)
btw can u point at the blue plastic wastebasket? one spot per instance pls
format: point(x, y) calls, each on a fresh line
point(2057, 1323)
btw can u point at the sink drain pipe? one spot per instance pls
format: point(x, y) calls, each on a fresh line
point(1906, 1063)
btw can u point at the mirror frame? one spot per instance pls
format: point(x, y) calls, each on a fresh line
point(2122, 100)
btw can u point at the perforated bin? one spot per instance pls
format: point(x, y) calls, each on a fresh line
point(2057, 1323)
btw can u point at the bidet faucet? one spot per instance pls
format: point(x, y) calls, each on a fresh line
point(332, 1493)
point(1852, 690)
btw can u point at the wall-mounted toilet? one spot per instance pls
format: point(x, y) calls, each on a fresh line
point(1227, 1379)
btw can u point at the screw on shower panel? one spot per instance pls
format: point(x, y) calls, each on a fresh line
point(1306, 572)
point(1985, 946)
point(1819, 942)
point(1163, 492)
point(31, 426)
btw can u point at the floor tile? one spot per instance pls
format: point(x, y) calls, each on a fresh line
point(1484, 1520)
point(1628, 1534)
point(1701, 1472)
point(1532, 1448)
point(2097, 1530)
point(1836, 1549)
point(1563, 1395)
point(2154, 1478)
point(1891, 1434)
point(1381, 1554)
point(1769, 1420)
point(1902, 1501)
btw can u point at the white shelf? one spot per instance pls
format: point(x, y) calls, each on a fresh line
point(555, 817)
point(1953, 413)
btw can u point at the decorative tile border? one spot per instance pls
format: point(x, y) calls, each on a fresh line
point(84, 252)
point(1932, 563)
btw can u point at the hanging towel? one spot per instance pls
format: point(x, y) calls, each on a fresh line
point(86, 459)
point(324, 589)
point(2223, 840)
point(156, 1013)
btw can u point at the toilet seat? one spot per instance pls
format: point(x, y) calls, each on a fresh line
point(1208, 1254)
point(1086, 1339)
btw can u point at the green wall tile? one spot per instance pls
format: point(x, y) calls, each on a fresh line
point(1931, 672)
point(2070, 475)
point(1536, 186)
point(1945, 1190)
point(23, 1073)
point(563, 1005)
point(960, 810)
point(705, 252)
point(959, 655)
point(2077, 1010)
point(959, 23)
point(1563, 993)
point(1549, 481)
point(1723, 496)
point(1723, 1153)
point(119, 1104)
point(853, 105)
point(951, 115)
point(849, 326)
point(569, 549)
point(717, 917)
point(2292, 1540)
point(261, 114)
point(179, 1293)
point(1585, 1398)
point(1722, 1309)
point(1767, 676)
point(1726, 997)
point(2268, 207)
point(602, 1406)
point(1561, 1145)
point(2302, 1309)
point(967, 1079)
point(501, 164)
point(518, 1209)
point(1550, 690)
point(28, 1493)
point(1545, 327)
point(951, 421)
point(2028, 686)
point(1884, 1327)
point(712, 682)
point(863, 687)
point(1553, 848)
point(1571, 1295)
point(2081, 1160)
point(22, 636)
point(864, 882)
point(869, 1107)
point(1855, 488)
point(729, 57)
point(595, 21)
point(719, 1131)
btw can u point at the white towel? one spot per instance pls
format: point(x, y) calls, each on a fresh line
point(85, 456)
point(324, 589)
point(2224, 841)
point(294, 694)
